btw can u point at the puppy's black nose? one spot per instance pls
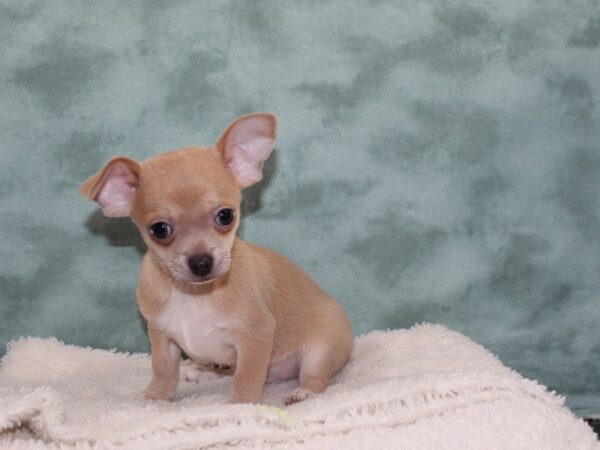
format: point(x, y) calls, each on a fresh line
point(201, 265)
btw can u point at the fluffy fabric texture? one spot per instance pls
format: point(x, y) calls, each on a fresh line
point(436, 160)
point(426, 387)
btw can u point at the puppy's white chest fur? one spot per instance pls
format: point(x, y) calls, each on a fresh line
point(194, 324)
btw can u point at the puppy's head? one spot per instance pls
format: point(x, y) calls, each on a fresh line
point(186, 203)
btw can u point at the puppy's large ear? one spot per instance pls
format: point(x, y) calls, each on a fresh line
point(114, 187)
point(246, 144)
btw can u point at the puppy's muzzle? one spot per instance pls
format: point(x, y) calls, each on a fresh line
point(201, 265)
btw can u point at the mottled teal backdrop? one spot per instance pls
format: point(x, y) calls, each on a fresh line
point(436, 161)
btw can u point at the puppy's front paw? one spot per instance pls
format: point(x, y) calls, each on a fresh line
point(237, 397)
point(154, 393)
point(298, 395)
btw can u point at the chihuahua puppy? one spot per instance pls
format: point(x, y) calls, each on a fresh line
point(225, 302)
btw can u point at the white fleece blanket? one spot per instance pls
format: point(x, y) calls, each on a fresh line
point(423, 388)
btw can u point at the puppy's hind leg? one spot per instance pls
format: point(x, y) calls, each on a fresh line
point(317, 366)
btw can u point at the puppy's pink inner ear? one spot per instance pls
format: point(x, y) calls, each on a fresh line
point(118, 191)
point(247, 144)
point(246, 158)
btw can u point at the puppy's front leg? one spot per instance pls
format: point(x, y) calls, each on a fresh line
point(253, 358)
point(165, 366)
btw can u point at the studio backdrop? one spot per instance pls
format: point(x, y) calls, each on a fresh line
point(437, 161)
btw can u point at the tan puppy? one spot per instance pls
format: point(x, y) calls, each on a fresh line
point(227, 303)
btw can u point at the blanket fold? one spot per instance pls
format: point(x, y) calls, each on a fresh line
point(426, 387)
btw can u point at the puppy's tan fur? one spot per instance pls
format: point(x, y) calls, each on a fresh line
point(256, 312)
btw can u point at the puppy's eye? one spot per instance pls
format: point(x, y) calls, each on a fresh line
point(225, 217)
point(160, 231)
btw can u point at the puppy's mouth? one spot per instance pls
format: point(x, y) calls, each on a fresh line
point(195, 280)
point(204, 280)
point(184, 275)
